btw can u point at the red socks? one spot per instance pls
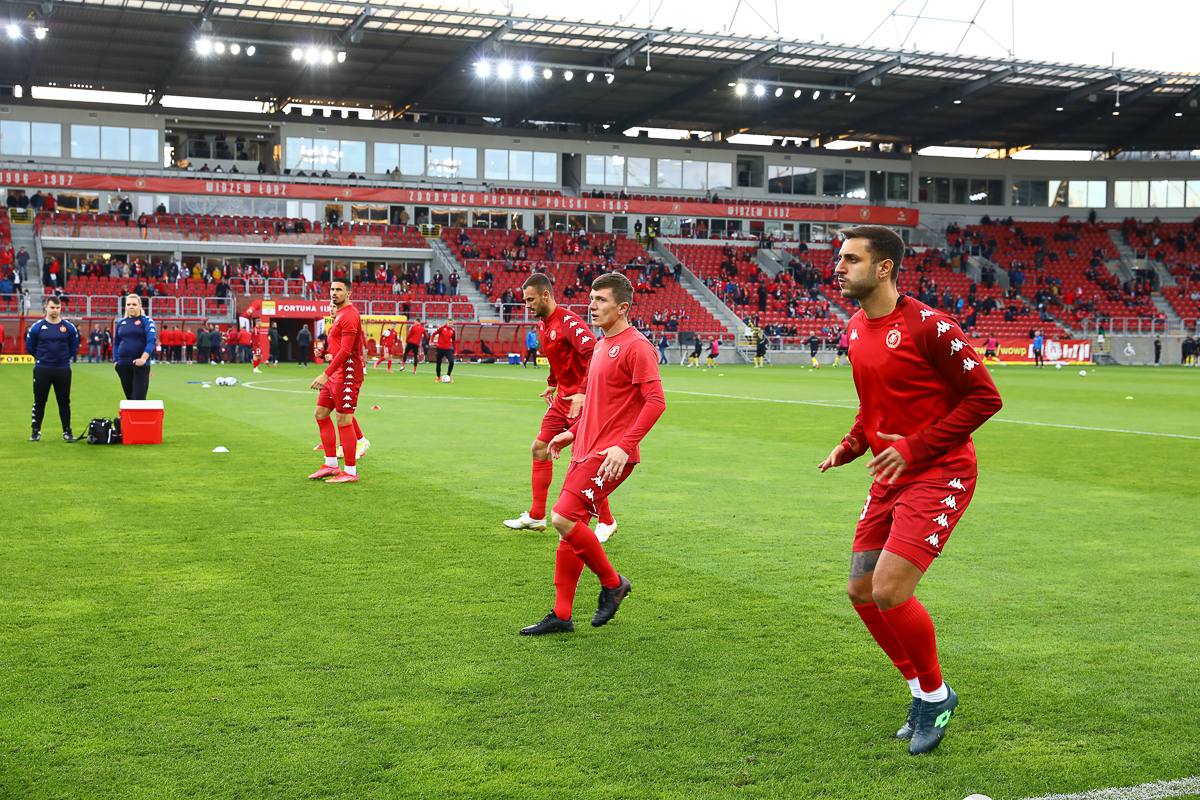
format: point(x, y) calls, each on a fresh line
point(328, 436)
point(588, 547)
point(568, 566)
point(872, 617)
point(914, 629)
point(349, 443)
point(357, 430)
point(543, 474)
point(603, 514)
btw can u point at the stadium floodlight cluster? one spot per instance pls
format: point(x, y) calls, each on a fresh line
point(741, 89)
point(206, 46)
point(505, 70)
point(15, 31)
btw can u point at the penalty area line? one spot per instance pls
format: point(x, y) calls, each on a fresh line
point(1159, 790)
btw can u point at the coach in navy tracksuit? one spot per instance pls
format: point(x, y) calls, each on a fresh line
point(52, 341)
point(133, 345)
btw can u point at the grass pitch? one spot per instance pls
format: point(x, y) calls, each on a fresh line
point(177, 623)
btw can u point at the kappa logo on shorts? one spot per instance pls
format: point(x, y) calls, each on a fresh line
point(589, 494)
point(942, 519)
point(956, 484)
point(892, 340)
point(933, 540)
point(612, 351)
point(951, 502)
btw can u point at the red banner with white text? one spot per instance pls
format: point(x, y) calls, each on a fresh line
point(231, 186)
point(1020, 351)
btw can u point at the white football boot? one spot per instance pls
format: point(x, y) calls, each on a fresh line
point(525, 523)
point(361, 448)
point(605, 532)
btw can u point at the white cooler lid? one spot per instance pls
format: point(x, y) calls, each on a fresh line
point(141, 405)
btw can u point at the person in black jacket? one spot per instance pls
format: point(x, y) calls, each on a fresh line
point(304, 344)
point(52, 341)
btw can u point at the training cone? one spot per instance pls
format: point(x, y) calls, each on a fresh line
point(375, 408)
point(220, 449)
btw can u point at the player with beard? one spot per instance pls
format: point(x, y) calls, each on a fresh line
point(568, 343)
point(624, 398)
point(339, 386)
point(922, 390)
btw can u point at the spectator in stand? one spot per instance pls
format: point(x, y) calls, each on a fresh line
point(304, 342)
point(23, 264)
point(52, 342)
point(133, 345)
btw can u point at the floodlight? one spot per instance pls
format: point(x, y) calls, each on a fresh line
point(590, 75)
point(609, 77)
point(297, 54)
point(203, 47)
point(39, 32)
point(218, 47)
point(483, 69)
point(526, 72)
point(1179, 113)
point(759, 90)
point(312, 56)
point(326, 57)
point(235, 48)
point(568, 75)
point(504, 71)
point(852, 97)
point(740, 89)
point(251, 50)
point(14, 31)
point(341, 57)
point(778, 91)
point(1060, 108)
point(797, 94)
point(547, 74)
point(1116, 113)
point(817, 94)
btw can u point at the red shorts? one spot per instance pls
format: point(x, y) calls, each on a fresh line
point(341, 397)
point(913, 520)
point(555, 419)
point(583, 489)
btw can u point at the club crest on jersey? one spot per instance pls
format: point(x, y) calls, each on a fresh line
point(62, 328)
point(553, 335)
point(892, 340)
point(137, 322)
point(612, 351)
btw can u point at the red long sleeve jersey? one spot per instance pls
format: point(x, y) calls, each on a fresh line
point(918, 377)
point(568, 343)
point(346, 342)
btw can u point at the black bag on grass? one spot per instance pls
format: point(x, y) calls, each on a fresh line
point(104, 431)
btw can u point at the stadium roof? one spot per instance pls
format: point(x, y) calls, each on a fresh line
point(422, 59)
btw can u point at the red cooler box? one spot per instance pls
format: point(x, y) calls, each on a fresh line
point(141, 421)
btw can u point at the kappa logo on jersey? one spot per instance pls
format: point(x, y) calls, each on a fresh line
point(854, 335)
point(956, 483)
point(585, 339)
point(926, 314)
point(942, 520)
point(933, 539)
point(956, 345)
point(892, 339)
point(942, 327)
point(951, 502)
point(969, 364)
point(612, 351)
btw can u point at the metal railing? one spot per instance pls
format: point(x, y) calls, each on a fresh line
point(265, 235)
point(1136, 326)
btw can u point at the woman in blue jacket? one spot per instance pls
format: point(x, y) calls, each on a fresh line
point(133, 344)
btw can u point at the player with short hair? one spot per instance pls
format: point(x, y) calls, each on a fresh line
point(843, 346)
point(694, 358)
point(922, 391)
point(568, 344)
point(339, 386)
point(714, 350)
point(444, 340)
point(531, 345)
point(1038, 345)
point(760, 348)
point(624, 398)
point(387, 340)
point(990, 346)
point(814, 344)
point(412, 344)
point(52, 342)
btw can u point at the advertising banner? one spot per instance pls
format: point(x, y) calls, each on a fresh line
point(229, 185)
point(1020, 351)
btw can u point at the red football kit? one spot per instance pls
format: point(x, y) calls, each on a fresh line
point(918, 377)
point(444, 337)
point(415, 332)
point(387, 340)
point(624, 400)
point(568, 343)
point(346, 371)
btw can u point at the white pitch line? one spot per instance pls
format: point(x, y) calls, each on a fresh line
point(254, 385)
point(1087, 428)
point(1145, 791)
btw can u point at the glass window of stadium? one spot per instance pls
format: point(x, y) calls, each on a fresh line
point(669, 173)
point(545, 168)
point(518, 221)
point(412, 159)
point(720, 176)
point(716, 228)
point(620, 224)
point(441, 216)
point(80, 202)
point(495, 165)
point(361, 212)
point(695, 175)
point(834, 183)
point(520, 165)
point(539, 222)
point(387, 157)
point(114, 143)
point(897, 187)
point(354, 157)
point(460, 218)
point(558, 222)
point(791, 180)
point(637, 172)
point(85, 142)
point(577, 222)
point(596, 223)
point(14, 138)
